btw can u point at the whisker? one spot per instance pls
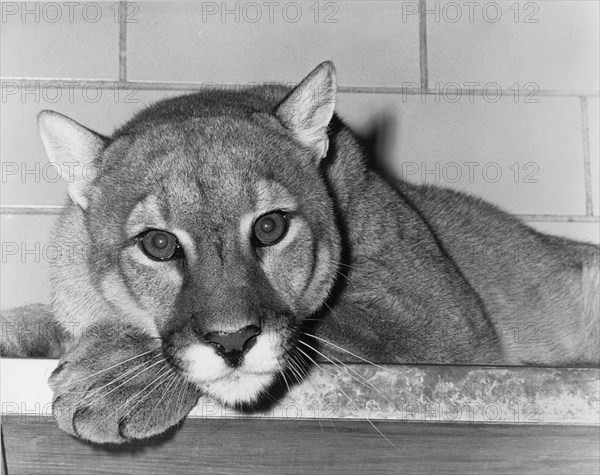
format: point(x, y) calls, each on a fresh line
point(301, 366)
point(174, 379)
point(159, 377)
point(282, 373)
point(95, 355)
point(181, 400)
point(294, 368)
point(87, 393)
point(334, 427)
point(178, 380)
point(179, 390)
point(343, 275)
point(121, 376)
point(125, 382)
point(271, 398)
point(351, 401)
point(110, 367)
point(346, 351)
point(320, 425)
point(362, 380)
point(335, 316)
point(294, 358)
point(304, 372)
point(339, 263)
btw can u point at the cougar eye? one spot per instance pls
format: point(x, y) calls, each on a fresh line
point(160, 245)
point(270, 228)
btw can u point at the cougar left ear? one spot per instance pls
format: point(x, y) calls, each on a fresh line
point(74, 149)
point(308, 109)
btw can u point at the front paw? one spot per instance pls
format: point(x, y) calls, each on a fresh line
point(115, 386)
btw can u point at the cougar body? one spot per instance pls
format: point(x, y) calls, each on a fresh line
point(237, 233)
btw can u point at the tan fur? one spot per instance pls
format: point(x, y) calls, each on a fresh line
point(590, 309)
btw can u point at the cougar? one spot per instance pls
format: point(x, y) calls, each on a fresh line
point(222, 238)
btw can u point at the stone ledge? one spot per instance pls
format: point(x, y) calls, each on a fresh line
point(427, 393)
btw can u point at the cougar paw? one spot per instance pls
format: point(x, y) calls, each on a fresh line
point(118, 393)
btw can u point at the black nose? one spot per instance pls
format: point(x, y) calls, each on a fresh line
point(233, 342)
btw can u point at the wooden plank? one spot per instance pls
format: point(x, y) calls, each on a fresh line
point(34, 445)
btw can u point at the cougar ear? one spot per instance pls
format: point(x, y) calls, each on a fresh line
point(73, 149)
point(308, 109)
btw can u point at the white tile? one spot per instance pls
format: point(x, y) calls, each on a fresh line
point(527, 158)
point(367, 40)
point(26, 255)
point(594, 126)
point(60, 40)
point(559, 51)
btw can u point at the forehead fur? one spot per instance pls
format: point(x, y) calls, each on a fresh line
point(271, 195)
point(146, 214)
point(215, 103)
point(155, 211)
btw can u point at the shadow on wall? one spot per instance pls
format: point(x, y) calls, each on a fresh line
point(380, 138)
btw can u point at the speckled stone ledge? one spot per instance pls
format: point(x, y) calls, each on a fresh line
point(439, 394)
point(513, 395)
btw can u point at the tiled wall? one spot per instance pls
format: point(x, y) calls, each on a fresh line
point(497, 98)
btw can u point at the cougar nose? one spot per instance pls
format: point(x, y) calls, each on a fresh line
point(233, 342)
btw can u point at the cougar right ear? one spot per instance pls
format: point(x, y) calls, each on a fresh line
point(308, 109)
point(73, 149)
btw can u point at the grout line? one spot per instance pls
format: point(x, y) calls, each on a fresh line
point(587, 169)
point(122, 41)
point(423, 64)
point(539, 218)
point(408, 88)
point(557, 218)
point(31, 209)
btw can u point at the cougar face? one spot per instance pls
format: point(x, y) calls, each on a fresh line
point(223, 251)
